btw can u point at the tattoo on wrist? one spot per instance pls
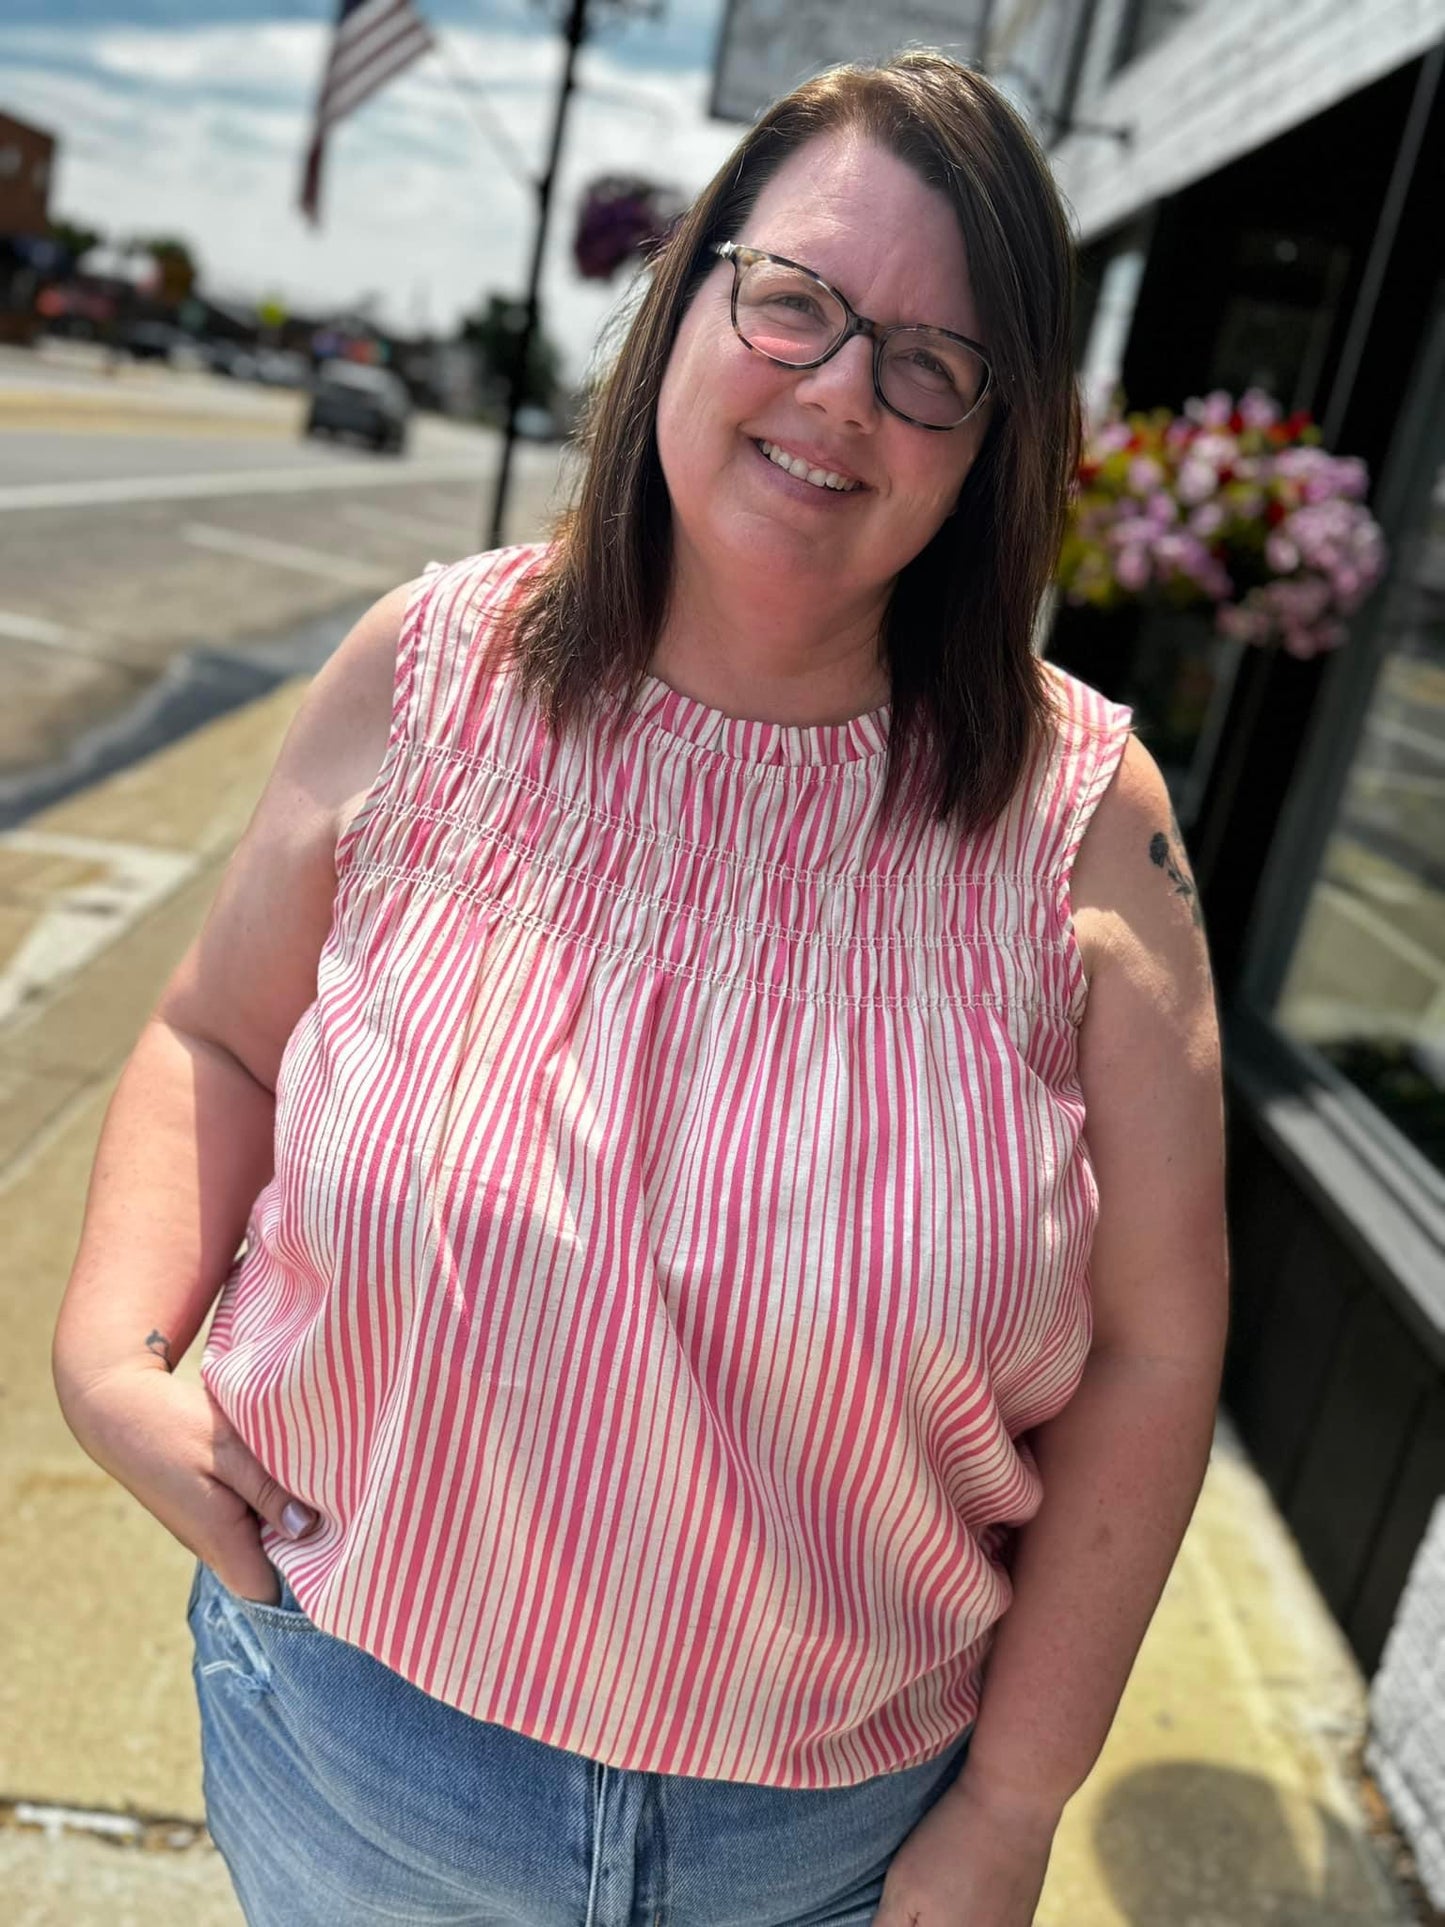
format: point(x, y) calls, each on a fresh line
point(1166, 852)
point(158, 1344)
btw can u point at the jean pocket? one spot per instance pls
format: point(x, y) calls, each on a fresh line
point(288, 1614)
point(230, 1648)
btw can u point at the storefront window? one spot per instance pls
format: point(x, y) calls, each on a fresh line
point(1366, 987)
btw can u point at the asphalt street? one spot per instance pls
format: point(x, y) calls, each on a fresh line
point(161, 529)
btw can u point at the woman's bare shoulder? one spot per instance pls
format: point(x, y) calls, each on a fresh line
point(1131, 882)
point(339, 738)
point(1149, 1069)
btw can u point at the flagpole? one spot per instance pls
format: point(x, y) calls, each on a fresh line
point(522, 351)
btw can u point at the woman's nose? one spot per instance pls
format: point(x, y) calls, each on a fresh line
point(843, 385)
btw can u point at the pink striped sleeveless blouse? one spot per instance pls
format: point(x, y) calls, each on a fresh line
point(680, 1215)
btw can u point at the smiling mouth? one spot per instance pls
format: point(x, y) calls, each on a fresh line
point(795, 465)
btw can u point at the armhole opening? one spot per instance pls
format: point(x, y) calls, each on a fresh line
point(403, 695)
point(1103, 751)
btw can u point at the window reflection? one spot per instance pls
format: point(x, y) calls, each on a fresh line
point(1367, 984)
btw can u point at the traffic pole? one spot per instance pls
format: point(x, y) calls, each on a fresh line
point(517, 387)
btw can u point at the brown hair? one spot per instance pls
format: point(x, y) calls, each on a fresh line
point(969, 698)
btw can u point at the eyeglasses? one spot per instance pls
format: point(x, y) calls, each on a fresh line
point(931, 377)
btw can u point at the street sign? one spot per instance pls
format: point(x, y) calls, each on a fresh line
point(768, 46)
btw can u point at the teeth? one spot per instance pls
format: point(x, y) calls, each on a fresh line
point(795, 465)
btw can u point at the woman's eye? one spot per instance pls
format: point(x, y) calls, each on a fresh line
point(929, 368)
point(795, 301)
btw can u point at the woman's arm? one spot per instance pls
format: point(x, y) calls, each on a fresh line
point(187, 1140)
point(1122, 1464)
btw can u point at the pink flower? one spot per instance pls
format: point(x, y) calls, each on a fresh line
point(1207, 519)
point(1185, 557)
point(1145, 474)
point(1280, 553)
point(1213, 411)
point(1132, 569)
point(1218, 450)
point(1110, 438)
point(1132, 532)
point(1352, 478)
point(1197, 480)
point(1258, 409)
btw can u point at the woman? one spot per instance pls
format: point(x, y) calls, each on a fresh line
point(685, 1334)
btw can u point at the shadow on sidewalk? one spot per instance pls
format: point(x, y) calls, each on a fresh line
point(1204, 1846)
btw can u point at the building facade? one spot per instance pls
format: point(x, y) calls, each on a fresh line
point(27, 164)
point(1257, 186)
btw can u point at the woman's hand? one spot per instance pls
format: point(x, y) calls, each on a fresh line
point(970, 1862)
point(169, 1443)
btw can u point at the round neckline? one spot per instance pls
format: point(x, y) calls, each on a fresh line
point(746, 740)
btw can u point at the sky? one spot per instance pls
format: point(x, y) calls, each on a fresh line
point(190, 117)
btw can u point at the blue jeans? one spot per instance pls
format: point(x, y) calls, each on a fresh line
point(340, 1794)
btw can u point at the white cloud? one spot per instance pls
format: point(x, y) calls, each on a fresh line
point(200, 132)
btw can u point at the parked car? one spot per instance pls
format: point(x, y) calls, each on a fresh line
point(352, 398)
point(152, 340)
point(231, 358)
point(281, 368)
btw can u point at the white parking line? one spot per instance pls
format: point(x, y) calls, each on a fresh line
point(243, 481)
point(50, 635)
point(81, 921)
point(283, 555)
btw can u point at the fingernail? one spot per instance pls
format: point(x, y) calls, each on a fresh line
point(296, 1518)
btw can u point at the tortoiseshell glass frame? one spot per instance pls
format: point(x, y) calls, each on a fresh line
point(741, 255)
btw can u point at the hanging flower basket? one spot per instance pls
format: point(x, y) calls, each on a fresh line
point(621, 219)
point(1230, 507)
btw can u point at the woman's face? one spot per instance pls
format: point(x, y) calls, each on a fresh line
point(864, 221)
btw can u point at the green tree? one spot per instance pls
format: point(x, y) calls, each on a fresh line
point(493, 332)
point(75, 238)
point(177, 265)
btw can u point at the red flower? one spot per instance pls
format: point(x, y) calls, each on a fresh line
point(1274, 513)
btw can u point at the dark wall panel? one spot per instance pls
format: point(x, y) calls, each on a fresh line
point(1293, 1289)
point(1339, 1403)
point(1412, 1499)
point(1357, 1445)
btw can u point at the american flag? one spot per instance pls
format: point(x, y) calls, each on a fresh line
point(374, 40)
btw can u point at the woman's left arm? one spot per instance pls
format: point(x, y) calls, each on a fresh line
point(1123, 1462)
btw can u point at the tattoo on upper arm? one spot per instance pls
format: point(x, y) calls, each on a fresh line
point(160, 1345)
point(1166, 852)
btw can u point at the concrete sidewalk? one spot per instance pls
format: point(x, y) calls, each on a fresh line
point(1229, 1793)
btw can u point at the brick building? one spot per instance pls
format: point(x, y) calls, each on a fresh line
point(1257, 186)
point(27, 163)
